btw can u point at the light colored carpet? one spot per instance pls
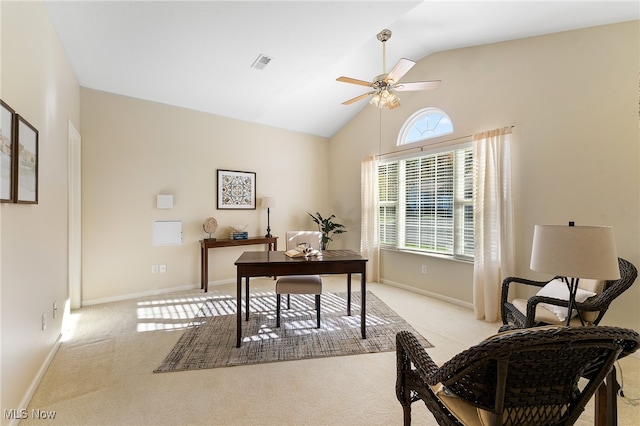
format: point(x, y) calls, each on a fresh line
point(211, 341)
point(103, 371)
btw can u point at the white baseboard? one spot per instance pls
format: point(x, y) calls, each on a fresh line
point(128, 296)
point(38, 378)
point(429, 294)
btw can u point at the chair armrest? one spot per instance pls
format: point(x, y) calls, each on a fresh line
point(507, 282)
point(410, 351)
point(504, 294)
point(593, 304)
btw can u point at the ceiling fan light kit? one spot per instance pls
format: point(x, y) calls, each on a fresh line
point(384, 85)
point(385, 99)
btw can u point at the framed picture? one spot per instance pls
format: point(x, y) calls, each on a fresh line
point(236, 190)
point(7, 133)
point(26, 162)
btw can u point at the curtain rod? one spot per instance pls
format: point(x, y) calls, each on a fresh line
point(423, 146)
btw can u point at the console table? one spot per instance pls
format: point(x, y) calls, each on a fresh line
point(206, 244)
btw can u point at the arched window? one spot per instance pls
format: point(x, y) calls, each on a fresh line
point(425, 124)
point(426, 197)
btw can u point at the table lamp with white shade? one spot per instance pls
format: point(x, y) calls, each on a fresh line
point(575, 252)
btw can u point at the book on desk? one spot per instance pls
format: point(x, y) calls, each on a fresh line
point(303, 251)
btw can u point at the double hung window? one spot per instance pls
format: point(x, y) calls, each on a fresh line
point(426, 202)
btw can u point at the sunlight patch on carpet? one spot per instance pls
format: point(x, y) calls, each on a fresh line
point(210, 342)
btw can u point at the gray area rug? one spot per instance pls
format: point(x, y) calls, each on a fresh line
point(210, 341)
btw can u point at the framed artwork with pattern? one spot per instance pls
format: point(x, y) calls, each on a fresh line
point(236, 190)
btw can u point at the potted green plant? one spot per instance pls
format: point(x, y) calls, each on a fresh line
point(328, 227)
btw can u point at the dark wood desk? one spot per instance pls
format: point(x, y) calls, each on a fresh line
point(206, 244)
point(276, 263)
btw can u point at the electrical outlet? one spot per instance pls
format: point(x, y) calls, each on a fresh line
point(424, 269)
point(55, 309)
point(154, 269)
point(163, 269)
point(44, 322)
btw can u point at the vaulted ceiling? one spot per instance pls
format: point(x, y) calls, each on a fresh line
point(199, 54)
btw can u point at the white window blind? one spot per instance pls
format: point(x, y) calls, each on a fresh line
point(426, 203)
point(388, 202)
point(464, 246)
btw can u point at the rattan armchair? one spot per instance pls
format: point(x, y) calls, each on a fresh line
point(520, 377)
point(592, 309)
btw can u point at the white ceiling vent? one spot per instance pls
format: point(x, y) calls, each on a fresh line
point(261, 62)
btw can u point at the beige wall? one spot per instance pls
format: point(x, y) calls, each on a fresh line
point(133, 150)
point(573, 99)
point(38, 83)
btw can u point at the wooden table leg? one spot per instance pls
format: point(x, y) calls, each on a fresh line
point(246, 288)
point(363, 307)
point(204, 268)
point(273, 247)
point(239, 309)
point(349, 294)
point(606, 404)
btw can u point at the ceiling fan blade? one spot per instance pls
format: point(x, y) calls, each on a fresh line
point(401, 68)
point(353, 81)
point(358, 98)
point(417, 85)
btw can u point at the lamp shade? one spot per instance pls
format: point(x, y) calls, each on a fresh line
point(268, 202)
point(575, 251)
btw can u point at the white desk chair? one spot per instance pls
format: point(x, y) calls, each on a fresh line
point(300, 284)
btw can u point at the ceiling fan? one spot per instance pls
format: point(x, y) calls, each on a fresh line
point(385, 85)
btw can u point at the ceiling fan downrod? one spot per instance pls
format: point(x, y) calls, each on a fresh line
point(383, 36)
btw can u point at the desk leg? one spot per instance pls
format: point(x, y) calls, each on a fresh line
point(273, 247)
point(204, 269)
point(239, 310)
point(246, 288)
point(363, 307)
point(349, 294)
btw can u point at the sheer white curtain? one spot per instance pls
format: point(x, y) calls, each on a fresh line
point(493, 215)
point(369, 241)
